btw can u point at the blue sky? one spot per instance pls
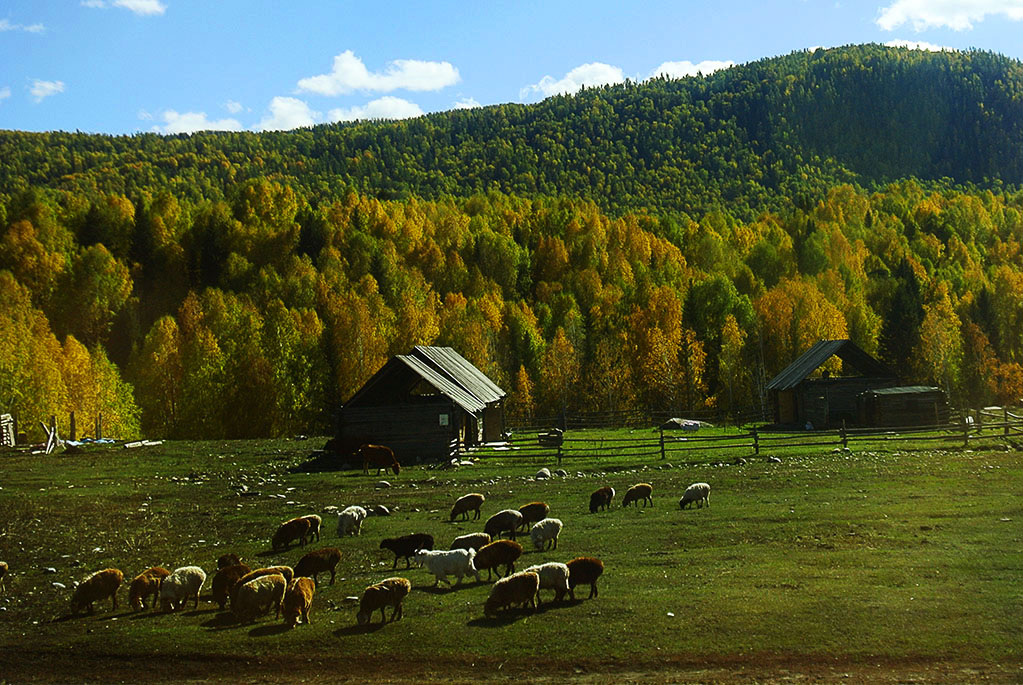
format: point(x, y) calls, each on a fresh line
point(124, 66)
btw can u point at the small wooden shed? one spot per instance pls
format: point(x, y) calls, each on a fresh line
point(424, 405)
point(906, 405)
point(802, 395)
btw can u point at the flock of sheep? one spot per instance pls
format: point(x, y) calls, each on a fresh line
point(289, 591)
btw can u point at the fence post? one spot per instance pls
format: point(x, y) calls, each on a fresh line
point(966, 430)
point(559, 454)
point(756, 441)
point(72, 431)
point(845, 436)
point(1005, 419)
point(662, 445)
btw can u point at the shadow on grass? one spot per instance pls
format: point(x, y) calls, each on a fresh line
point(443, 589)
point(321, 461)
point(223, 619)
point(200, 612)
point(505, 618)
point(114, 617)
point(146, 614)
point(357, 629)
point(267, 630)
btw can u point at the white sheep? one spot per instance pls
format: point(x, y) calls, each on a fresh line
point(545, 532)
point(444, 563)
point(553, 576)
point(181, 585)
point(257, 596)
point(698, 493)
point(349, 521)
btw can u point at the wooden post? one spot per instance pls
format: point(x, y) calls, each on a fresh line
point(15, 417)
point(72, 434)
point(966, 429)
point(559, 454)
point(845, 436)
point(99, 426)
point(756, 441)
point(662, 445)
point(1005, 419)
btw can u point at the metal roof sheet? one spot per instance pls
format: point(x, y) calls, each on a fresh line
point(906, 390)
point(461, 371)
point(808, 362)
point(443, 384)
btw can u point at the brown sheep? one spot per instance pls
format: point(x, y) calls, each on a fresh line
point(379, 456)
point(517, 589)
point(229, 559)
point(315, 522)
point(497, 553)
point(533, 512)
point(319, 561)
point(298, 598)
point(466, 503)
point(507, 520)
point(294, 529)
point(145, 584)
point(390, 592)
point(98, 586)
point(639, 491)
point(407, 546)
point(225, 580)
point(601, 498)
point(582, 571)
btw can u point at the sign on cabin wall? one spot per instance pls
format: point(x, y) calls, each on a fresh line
point(444, 419)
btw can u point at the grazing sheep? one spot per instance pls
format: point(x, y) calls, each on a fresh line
point(314, 526)
point(639, 491)
point(229, 559)
point(286, 571)
point(317, 562)
point(225, 580)
point(698, 493)
point(533, 512)
point(553, 576)
point(503, 521)
point(517, 589)
point(582, 571)
point(470, 541)
point(3, 574)
point(444, 563)
point(544, 533)
point(379, 456)
point(293, 529)
point(349, 521)
point(96, 587)
point(255, 597)
point(466, 503)
point(407, 546)
point(298, 598)
point(145, 584)
point(389, 592)
point(497, 553)
point(181, 585)
point(601, 498)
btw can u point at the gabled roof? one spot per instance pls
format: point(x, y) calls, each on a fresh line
point(808, 362)
point(443, 369)
point(458, 369)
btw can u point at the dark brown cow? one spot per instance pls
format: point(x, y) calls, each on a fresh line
point(379, 456)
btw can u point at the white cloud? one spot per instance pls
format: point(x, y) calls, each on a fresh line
point(44, 89)
point(387, 107)
point(958, 15)
point(189, 122)
point(6, 25)
point(144, 115)
point(286, 114)
point(467, 103)
point(687, 68)
point(592, 74)
point(143, 7)
point(349, 74)
point(5, 93)
point(233, 107)
point(918, 45)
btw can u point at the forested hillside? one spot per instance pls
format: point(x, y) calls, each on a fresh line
point(668, 245)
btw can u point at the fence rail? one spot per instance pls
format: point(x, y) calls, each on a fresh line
point(964, 429)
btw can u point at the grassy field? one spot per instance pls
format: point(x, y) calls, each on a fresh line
point(870, 565)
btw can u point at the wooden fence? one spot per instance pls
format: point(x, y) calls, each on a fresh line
point(964, 430)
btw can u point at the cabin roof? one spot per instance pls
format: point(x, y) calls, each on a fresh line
point(458, 369)
point(811, 360)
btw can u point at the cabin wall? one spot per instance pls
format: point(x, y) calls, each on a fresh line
point(827, 402)
point(424, 430)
